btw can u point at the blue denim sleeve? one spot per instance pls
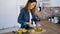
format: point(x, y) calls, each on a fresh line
point(21, 16)
point(34, 18)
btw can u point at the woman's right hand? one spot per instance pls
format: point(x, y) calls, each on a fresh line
point(29, 24)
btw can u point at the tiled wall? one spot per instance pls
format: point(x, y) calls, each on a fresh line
point(47, 12)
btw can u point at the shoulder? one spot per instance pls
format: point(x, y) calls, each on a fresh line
point(23, 10)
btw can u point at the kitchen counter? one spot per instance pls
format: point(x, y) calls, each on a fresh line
point(48, 26)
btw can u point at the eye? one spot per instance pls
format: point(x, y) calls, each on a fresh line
point(33, 4)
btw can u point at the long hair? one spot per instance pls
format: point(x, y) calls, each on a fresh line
point(30, 1)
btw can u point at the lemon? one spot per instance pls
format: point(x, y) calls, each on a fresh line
point(40, 29)
point(24, 30)
point(32, 31)
point(19, 31)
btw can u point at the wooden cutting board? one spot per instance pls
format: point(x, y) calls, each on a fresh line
point(41, 31)
point(38, 32)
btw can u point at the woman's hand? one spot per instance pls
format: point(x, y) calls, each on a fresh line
point(38, 25)
point(29, 24)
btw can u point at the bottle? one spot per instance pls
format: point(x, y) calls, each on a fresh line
point(49, 19)
point(55, 20)
point(52, 19)
point(59, 20)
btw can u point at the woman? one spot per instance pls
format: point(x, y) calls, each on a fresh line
point(26, 17)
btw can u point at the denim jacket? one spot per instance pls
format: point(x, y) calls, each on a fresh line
point(24, 16)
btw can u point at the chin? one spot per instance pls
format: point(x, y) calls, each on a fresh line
point(31, 8)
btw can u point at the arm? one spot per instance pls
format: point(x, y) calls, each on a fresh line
point(21, 16)
point(36, 21)
point(34, 18)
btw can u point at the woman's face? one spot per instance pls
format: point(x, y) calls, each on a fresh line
point(32, 5)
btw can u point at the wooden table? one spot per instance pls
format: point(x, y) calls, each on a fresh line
point(48, 26)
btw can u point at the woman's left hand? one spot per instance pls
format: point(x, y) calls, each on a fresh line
point(38, 25)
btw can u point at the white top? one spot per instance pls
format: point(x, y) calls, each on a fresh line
point(30, 17)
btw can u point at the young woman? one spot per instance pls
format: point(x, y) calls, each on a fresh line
point(26, 17)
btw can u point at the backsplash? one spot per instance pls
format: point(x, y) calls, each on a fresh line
point(48, 12)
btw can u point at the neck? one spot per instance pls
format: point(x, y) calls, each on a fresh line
point(29, 10)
